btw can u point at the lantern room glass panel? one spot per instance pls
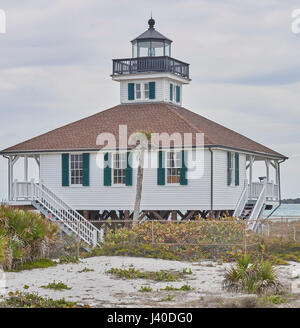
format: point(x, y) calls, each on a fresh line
point(144, 49)
point(157, 48)
point(167, 49)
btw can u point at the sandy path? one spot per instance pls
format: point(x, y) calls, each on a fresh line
point(97, 288)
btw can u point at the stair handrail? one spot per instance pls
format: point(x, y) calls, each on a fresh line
point(242, 201)
point(258, 207)
point(81, 221)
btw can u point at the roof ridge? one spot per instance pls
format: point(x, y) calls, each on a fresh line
point(172, 108)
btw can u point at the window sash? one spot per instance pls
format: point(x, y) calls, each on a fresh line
point(146, 90)
point(76, 169)
point(173, 166)
point(138, 91)
point(119, 169)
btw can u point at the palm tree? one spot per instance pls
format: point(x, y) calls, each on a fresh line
point(144, 138)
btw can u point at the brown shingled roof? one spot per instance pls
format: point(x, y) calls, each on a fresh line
point(154, 117)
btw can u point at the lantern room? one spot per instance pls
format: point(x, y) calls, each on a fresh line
point(151, 43)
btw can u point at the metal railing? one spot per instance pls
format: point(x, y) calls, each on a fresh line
point(150, 64)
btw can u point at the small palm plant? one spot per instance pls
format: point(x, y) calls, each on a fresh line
point(24, 236)
point(256, 278)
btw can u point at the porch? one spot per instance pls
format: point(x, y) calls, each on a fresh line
point(269, 180)
point(20, 190)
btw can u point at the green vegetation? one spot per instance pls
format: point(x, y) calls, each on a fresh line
point(38, 264)
point(25, 236)
point(56, 286)
point(27, 300)
point(185, 288)
point(169, 298)
point(219, 240)
point(256, 278)
point(86, 270)
point(132, 273)
point(68, 259)
point(186, 271)
point(145, 289)
point(273, 299)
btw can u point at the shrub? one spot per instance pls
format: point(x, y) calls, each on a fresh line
point(56, 286)
point(24, 236)
point(256, 278)
point(27, 300)
point(132, 273)
point(145, 289)
point(68, 259)
point(38, 264)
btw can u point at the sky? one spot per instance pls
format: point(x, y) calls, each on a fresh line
point(56, 61)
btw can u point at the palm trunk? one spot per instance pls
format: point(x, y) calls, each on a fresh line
point(139, 187)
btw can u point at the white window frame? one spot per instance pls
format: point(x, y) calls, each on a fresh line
point(177, 166)
point(113, 168)
point(76, 169)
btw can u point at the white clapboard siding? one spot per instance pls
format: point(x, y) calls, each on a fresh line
point(162, 90)
point(195, 195)
point(226, 196)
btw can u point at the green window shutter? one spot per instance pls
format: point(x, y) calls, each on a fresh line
point(228, 168)
point(107, 169)
point(130, 91)
point(161, 169)
point(151, 90)
point(86, 170)
point(128, 172)
point(237, 169)
point(65, 169)
point(171, 91)
point(177, 93)
point(183, 170)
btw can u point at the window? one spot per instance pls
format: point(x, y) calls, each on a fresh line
point(146, 90)
point(173, 167)
point(138, 92)
point(76, 169)
point(231, 167)
point(119, 166)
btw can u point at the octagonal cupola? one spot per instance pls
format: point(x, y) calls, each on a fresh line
point(151, 75)
point(151, 43)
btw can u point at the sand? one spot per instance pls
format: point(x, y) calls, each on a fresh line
point(100, 289)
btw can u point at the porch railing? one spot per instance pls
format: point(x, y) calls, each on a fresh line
point(271, 190)
point(73, 220)
point(22, 191)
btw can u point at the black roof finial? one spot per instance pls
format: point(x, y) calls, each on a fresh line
point(151, 22)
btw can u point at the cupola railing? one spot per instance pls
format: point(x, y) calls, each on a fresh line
point(150, 64)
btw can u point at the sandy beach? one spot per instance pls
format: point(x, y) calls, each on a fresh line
point(97, 288)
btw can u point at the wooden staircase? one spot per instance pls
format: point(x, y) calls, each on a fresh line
point(69, 220)
point(251, 209)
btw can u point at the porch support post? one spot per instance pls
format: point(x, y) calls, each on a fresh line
point(9, 178)
point(267, 161)
point(277, 172)
point(251, 175)
point(26, 168)
point(37, 159)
